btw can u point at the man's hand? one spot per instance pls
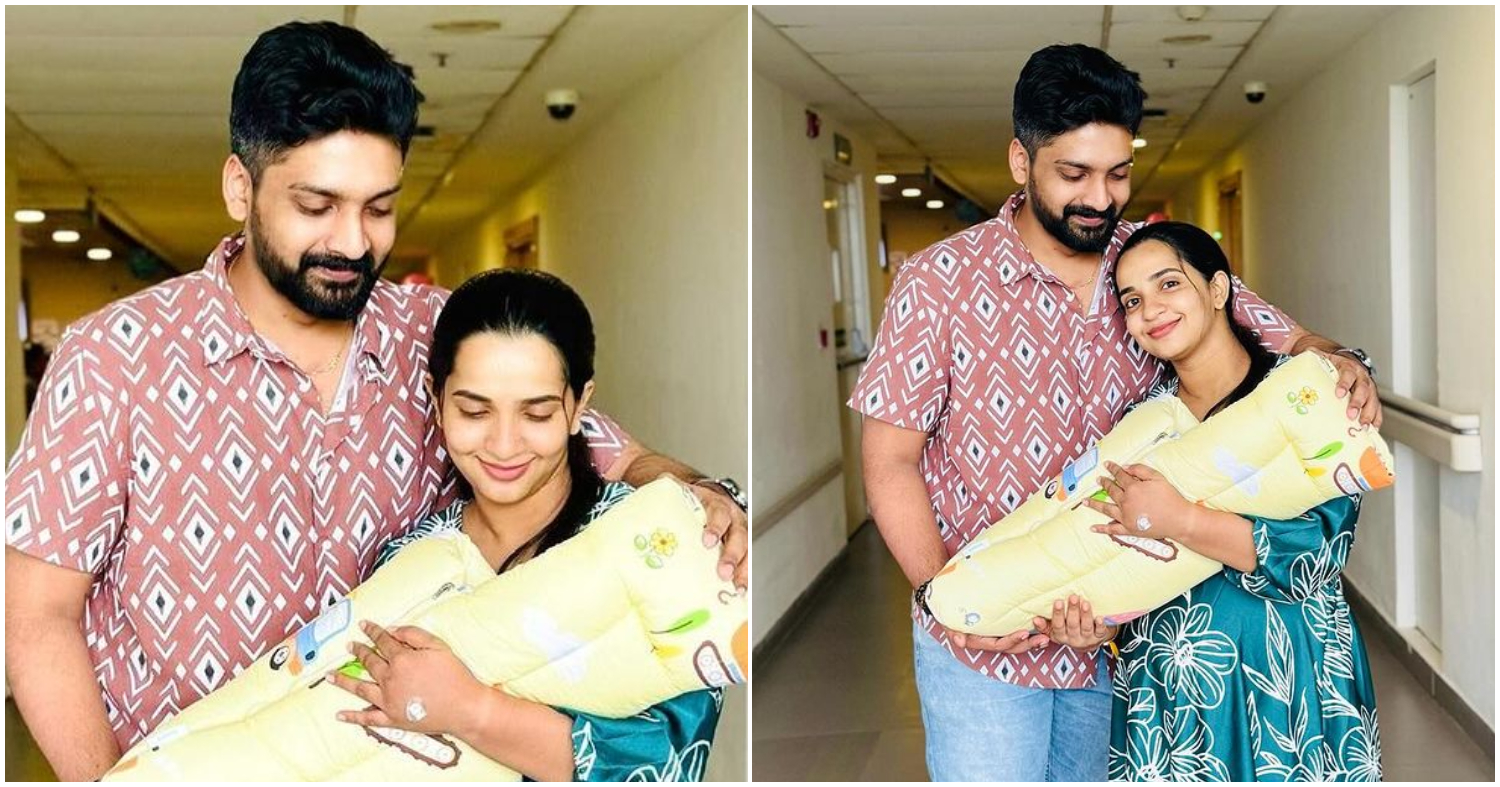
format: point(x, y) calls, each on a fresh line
point(1015, 642)
point(729, 527)
point(1355, 379)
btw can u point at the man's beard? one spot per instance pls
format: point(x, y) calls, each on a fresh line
point(321, 298)
point(1091, 240)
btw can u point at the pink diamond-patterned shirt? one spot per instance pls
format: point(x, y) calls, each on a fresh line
point(981, 348)
point(186, 464)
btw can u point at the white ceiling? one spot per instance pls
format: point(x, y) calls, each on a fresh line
point(132, 104)
point(935, 84)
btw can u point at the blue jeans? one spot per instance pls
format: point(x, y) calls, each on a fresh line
point(983, 729)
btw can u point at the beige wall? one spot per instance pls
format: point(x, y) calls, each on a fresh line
point(64, 289)
point(1317, 204)
point(646, 218)
point(15, 374)
point(797, 401)
point(914, 229)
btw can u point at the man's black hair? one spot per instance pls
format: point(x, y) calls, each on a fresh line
point(305, 80)
point(1068, 86)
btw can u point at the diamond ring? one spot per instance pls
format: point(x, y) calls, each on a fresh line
point(1142, 523)
point(415, 711)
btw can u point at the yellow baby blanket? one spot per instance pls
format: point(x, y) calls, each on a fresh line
point(626, 614)
point(1287, 447)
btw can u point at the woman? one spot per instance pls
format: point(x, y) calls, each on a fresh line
point(512, 365)
point(1259, 673)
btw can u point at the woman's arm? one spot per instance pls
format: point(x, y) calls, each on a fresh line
point(525, 736)
point(1143, 505)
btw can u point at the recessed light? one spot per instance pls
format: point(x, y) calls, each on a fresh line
point(885, 180)
point(466, 26)
point(100, 254)
point(934, 203)
point(1138, 143)
point(911, 192)
point(30, 216)
point(1196, 38)
point(66, 236)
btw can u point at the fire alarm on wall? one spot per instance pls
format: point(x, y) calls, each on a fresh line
point(814, 125)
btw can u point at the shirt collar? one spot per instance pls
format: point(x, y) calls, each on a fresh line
point(372, 347)
point(1016, 262)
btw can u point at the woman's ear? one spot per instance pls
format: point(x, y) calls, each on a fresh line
point(1219, 288)
point(583, 406)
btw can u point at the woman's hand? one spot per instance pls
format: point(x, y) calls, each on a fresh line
point(1075, 625)
point(1143, 504)
point(418, 684)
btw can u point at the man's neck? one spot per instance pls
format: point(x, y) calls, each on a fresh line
point(1071, 266)
point(269, 312)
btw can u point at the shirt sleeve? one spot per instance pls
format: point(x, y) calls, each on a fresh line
point(1296, 558)
point(68, 482)
point(905, 380)
point(1273, 325)
point(606, 439)
point(668, 742)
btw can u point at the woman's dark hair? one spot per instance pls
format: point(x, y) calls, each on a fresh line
point(1197, 248)
point(1068, 86)
point(527, 303)
point(305, 80)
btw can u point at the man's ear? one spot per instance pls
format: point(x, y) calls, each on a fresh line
point(239, 189)
point(437, 406)
point(1020, 162)
point(583, 406)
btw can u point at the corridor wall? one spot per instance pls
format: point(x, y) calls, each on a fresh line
point(1317, 196)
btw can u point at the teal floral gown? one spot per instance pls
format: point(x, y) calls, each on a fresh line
point(1258, 676)
point(668, 742)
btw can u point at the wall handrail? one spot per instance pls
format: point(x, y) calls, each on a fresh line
point(1449, 438)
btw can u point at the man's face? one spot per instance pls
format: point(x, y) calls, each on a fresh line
point(1078, 184)
point(322, 222)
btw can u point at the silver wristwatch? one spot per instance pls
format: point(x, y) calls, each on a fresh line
point(728, 487)
point(1358, 355)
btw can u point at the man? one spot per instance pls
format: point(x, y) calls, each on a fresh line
point(1003, 354)
point(215, 460)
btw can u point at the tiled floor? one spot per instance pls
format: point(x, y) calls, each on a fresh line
point(836, 700)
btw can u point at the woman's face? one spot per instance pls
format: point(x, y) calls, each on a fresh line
point(1169, 307)
point(506, 414)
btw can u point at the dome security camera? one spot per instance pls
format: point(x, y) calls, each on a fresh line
point(562, 103)
point(1255, 92)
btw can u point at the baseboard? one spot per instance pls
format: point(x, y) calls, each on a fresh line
point(794, 614)
point(1430, 679)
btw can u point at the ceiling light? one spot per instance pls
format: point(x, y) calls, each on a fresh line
point(66, 236)
point(1138, 143)
point(466, 26)
point(30, 216)
point(100, 254)
point(1196, 38)
point(911, 192)
point(885, 180)
point(934, 203)
point(1191, 13)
